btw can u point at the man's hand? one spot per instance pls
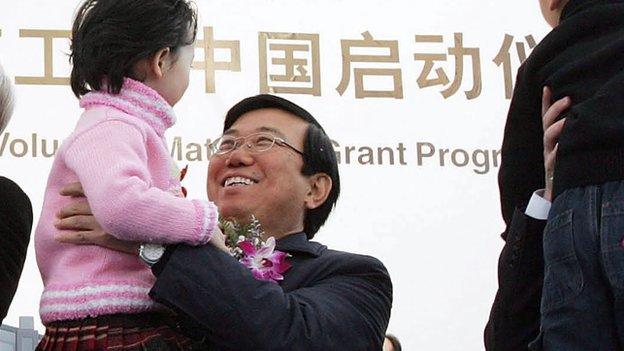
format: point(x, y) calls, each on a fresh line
point(552, 130)
point(77, 225)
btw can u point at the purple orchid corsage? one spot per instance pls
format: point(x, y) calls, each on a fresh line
point(246, 245)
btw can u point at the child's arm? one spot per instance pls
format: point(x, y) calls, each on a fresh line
point(110, 160)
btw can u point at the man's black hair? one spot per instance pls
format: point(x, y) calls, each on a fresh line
point(110, 36)
point(318, 151)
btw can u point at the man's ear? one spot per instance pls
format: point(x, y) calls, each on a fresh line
point(320, 187)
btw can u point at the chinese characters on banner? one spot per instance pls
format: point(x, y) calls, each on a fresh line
point(291, 63)
point(458, 51)
point(48, 37)
point(290, 52)
point(374, 60)
point(504, 58)
point(209, 65)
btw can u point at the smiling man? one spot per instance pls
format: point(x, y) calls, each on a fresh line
point(256, 179)
point(275, 162)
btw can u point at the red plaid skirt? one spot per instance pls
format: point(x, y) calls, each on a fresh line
point(121, 332)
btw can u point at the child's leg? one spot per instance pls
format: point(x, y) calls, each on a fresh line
point(577, 302)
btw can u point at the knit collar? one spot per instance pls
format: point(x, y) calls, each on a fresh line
point(136, 99)
point(575, 6)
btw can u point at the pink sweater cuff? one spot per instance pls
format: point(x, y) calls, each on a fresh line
point(207, 216)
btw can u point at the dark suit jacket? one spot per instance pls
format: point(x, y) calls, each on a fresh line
point(328, 300)
point(15, 223)
point(515, 316)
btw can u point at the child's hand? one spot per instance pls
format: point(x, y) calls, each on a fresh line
point(77, 225)
point(218, 239)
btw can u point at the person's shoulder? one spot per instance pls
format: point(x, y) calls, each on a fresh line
point(103, 116)
point(358, 269)
point(13, 198)
point(350, 256)
point(10, 189)
point(353, 261)
point(8, 184)
point(104, 122)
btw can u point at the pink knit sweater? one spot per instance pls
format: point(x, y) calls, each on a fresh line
point(118, 152)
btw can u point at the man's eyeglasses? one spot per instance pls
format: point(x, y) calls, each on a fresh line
point(254, 143)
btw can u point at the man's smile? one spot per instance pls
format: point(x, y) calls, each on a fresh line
point(238, 181)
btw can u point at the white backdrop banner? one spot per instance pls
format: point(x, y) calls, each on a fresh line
point(414, 94)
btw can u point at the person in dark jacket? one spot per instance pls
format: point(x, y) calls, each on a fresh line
point(15, 216)
point(583, 57)
point(274, 161)
point(515, 316)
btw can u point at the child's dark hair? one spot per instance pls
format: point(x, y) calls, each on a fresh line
point(110, 36)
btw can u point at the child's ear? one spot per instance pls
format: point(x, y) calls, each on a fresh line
point(157, 64)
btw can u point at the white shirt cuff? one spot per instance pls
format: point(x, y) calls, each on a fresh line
point(538, 207)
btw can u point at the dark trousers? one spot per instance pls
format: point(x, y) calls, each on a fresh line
point(582, 304)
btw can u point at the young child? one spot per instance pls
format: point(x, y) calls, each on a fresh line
point(583, 257)
point(131, 62)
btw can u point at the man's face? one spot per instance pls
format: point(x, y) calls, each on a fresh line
point(276, 190)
